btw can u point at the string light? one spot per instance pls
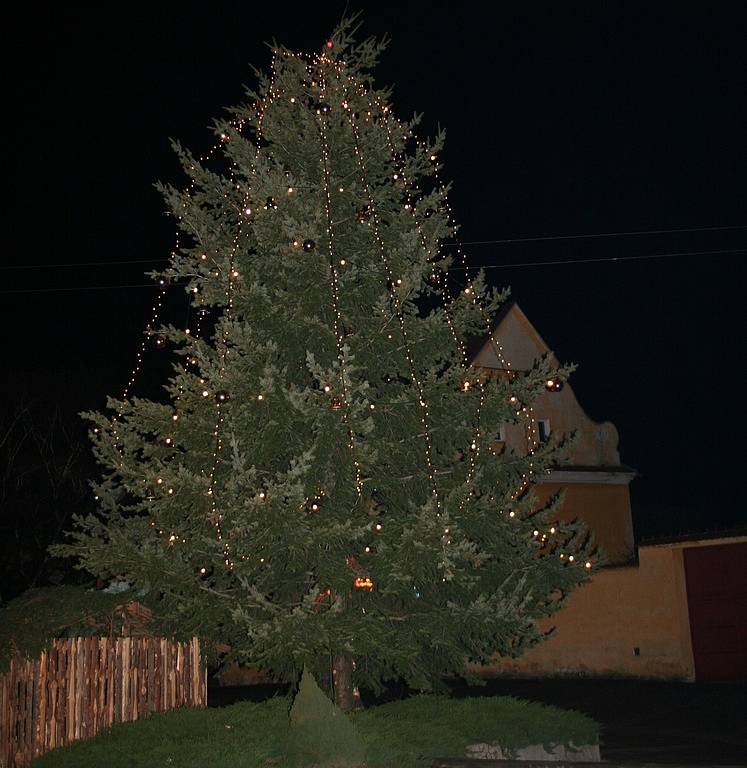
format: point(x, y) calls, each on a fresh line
point(397, 303)
point(336, 403)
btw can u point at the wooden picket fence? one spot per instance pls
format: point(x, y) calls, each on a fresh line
point(82, 685)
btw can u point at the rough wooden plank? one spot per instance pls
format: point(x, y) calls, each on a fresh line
point(53, 691)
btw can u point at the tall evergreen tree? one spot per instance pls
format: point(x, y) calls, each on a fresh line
point(321, 486)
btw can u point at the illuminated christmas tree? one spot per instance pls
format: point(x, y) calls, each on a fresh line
point(321, 486)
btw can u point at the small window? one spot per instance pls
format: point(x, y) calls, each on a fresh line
point(500, 435)
point(543, 430)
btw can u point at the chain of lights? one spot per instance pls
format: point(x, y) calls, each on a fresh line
point(475, 444)
point(525, 413)
point(397, 301)
point(220, 396)
point(334, 281)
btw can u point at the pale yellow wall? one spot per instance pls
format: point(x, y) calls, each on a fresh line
point(642, 606)
point(605, 508)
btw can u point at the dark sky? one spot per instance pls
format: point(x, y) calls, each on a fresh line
point(561, 119)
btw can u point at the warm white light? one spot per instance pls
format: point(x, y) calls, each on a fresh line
point(260, 397)
point(205, 393)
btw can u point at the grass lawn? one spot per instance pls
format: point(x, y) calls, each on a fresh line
point(405, 734)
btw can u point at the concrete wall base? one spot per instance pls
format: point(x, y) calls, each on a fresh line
point(569, 753)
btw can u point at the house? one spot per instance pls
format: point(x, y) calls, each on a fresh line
point(670, 609)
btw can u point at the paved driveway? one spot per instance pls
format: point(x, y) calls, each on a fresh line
point(646, 721)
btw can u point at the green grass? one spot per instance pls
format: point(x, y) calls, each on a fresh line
point(405, 734)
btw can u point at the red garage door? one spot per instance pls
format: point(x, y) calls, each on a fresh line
point(717, 600)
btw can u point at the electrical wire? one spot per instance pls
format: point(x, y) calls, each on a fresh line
point(472, 242)
point(600, 260)
point(610, 259)
point(603, 234)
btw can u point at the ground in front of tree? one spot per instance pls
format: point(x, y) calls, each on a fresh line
point(648, 721)
point(641, 720)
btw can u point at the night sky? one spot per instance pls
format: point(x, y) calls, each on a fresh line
point(561, 119)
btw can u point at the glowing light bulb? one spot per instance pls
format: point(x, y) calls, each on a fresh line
point(205, 393)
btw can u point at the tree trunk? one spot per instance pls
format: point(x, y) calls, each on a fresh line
point(347, 697)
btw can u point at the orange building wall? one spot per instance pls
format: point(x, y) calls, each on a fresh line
point(605, 508)
point(620, 609)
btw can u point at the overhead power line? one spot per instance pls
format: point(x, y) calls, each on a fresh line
point(600, 260)
point(469, 242)
point(610, 259)
point(602, 234)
